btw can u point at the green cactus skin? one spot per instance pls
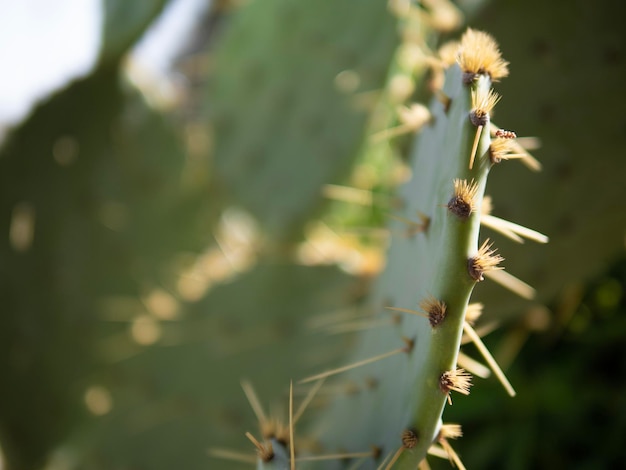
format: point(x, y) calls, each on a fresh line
point(433, 263)
point(124, 23)
point(280, 460)
point(284, 123)
point(410, 395)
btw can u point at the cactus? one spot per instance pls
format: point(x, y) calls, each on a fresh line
point(95, 198)
point(541, 428)
point(290, 105)
point(434, 263)
point(78, 178)
point(124, 24)
point(189, 387)
point(590, 225)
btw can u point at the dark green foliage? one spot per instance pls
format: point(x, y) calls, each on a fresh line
point(568, 60)
point(102, 174)
point(570, 411)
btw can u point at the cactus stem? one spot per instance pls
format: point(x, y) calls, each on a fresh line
point(409, 441)
point(413, 227)
point(483, 102)
point(405, 349)
point(264, 451)
point(469, 331)
point(353, 455)
point(504, 227)
point(512, 283)
point(458, 380)
point(463, 203)
point(484, 261)
point(361, 325)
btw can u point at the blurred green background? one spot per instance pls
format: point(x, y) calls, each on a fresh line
point(157, 251)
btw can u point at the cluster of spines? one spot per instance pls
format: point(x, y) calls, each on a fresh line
point(477, 55)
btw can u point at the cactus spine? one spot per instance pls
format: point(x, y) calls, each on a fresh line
point(434, 262)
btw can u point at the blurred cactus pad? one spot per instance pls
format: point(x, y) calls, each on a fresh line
point(158, 257)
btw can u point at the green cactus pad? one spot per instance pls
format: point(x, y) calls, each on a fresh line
point(432, 264)
point(124, 23)
point(100, 190)
point(286, 122)
point(176, 399)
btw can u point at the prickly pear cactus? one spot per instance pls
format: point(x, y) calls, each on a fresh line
point(409, 368)
point(571, 55)
point(290, 100)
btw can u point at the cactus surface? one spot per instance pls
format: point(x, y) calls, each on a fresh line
point(434, 262)
point(89, 177)
point(71, 238)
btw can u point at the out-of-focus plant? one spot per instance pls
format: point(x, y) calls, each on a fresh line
point(151, 262)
